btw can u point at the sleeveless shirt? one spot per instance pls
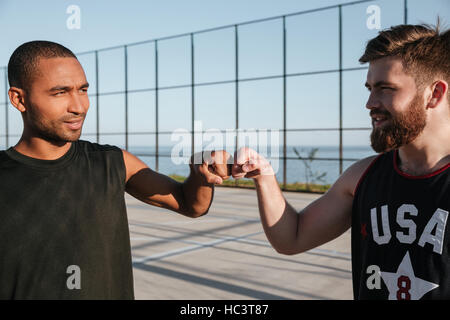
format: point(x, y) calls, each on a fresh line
point(63, 225)
point(400, 237)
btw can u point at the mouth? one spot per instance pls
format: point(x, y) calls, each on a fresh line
point(74, 125)
point(379, 120)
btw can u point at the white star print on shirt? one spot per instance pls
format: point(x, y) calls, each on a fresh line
point(403, 284)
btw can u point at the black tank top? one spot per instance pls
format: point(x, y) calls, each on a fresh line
point(63, 225)
point(400, 237)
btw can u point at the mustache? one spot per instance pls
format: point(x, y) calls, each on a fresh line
point(379, 113)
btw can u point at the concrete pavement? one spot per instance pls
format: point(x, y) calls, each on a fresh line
point(225, 255)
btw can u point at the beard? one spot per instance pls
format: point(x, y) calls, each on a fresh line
point(401, 130)
point(50, 130)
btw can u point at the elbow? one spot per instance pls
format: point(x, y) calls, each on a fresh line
point(282, 245)
point(287, 250)
point(201, 214)
point(197, 213)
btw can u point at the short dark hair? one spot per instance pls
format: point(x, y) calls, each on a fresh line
point(423, 49)
point(24, 60)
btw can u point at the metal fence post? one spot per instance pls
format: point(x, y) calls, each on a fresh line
point(6, 109)
point(405, 12)
point(156, 109)
point(236, 88)
point(192, 95)
point(126, 95)
point(97, 98)
point(340, 94)
point(284, 106)
point(236, 82)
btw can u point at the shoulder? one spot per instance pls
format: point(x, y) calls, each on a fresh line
point(357, 171)
point(107, 151)
point(4, 159)
point(3, 155)
point(132, 163)
point(354, 174)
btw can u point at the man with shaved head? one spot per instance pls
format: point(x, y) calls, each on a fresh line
point(63, 225)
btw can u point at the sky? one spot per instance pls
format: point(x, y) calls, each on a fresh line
point(312, 45)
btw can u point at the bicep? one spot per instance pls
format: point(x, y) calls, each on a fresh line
point(151, 187)
point(324, 219)
point(331, 215)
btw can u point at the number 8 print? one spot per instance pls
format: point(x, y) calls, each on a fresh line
point(404, 285)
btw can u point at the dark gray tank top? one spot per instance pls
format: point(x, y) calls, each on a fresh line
point(63, 225)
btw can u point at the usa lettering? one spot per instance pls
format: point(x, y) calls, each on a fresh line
point(432, 234)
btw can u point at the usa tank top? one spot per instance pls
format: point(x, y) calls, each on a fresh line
point(400, 233)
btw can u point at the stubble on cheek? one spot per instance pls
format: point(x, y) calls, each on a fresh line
point(53, 130)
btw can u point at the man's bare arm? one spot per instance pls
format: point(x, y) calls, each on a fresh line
point(191, 198)
point(323, 220)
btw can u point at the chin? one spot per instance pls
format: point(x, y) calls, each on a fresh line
point(74, 138)
point(380, 145)
point(69, 137)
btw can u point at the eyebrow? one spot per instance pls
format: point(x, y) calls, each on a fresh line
point(379, 84)
point(67, 88)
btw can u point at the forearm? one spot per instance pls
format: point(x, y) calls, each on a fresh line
point(197, 194)
point(278, 218)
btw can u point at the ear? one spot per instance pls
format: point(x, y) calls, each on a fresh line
point(17, 98)
point(439, 91)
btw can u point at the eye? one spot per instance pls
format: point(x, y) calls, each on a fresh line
point(59, 93)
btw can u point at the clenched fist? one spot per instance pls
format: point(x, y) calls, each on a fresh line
point(249, 164)
point(213, 166)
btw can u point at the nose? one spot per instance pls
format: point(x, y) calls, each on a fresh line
point(372, 102)
point(78, 104)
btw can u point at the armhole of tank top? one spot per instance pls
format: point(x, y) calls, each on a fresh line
point(365, 173)
point(124, 168)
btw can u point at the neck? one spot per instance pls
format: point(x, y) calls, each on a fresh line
point(38, 148)
point(427, 153)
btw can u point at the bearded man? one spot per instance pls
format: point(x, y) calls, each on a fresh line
point(397, 203)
